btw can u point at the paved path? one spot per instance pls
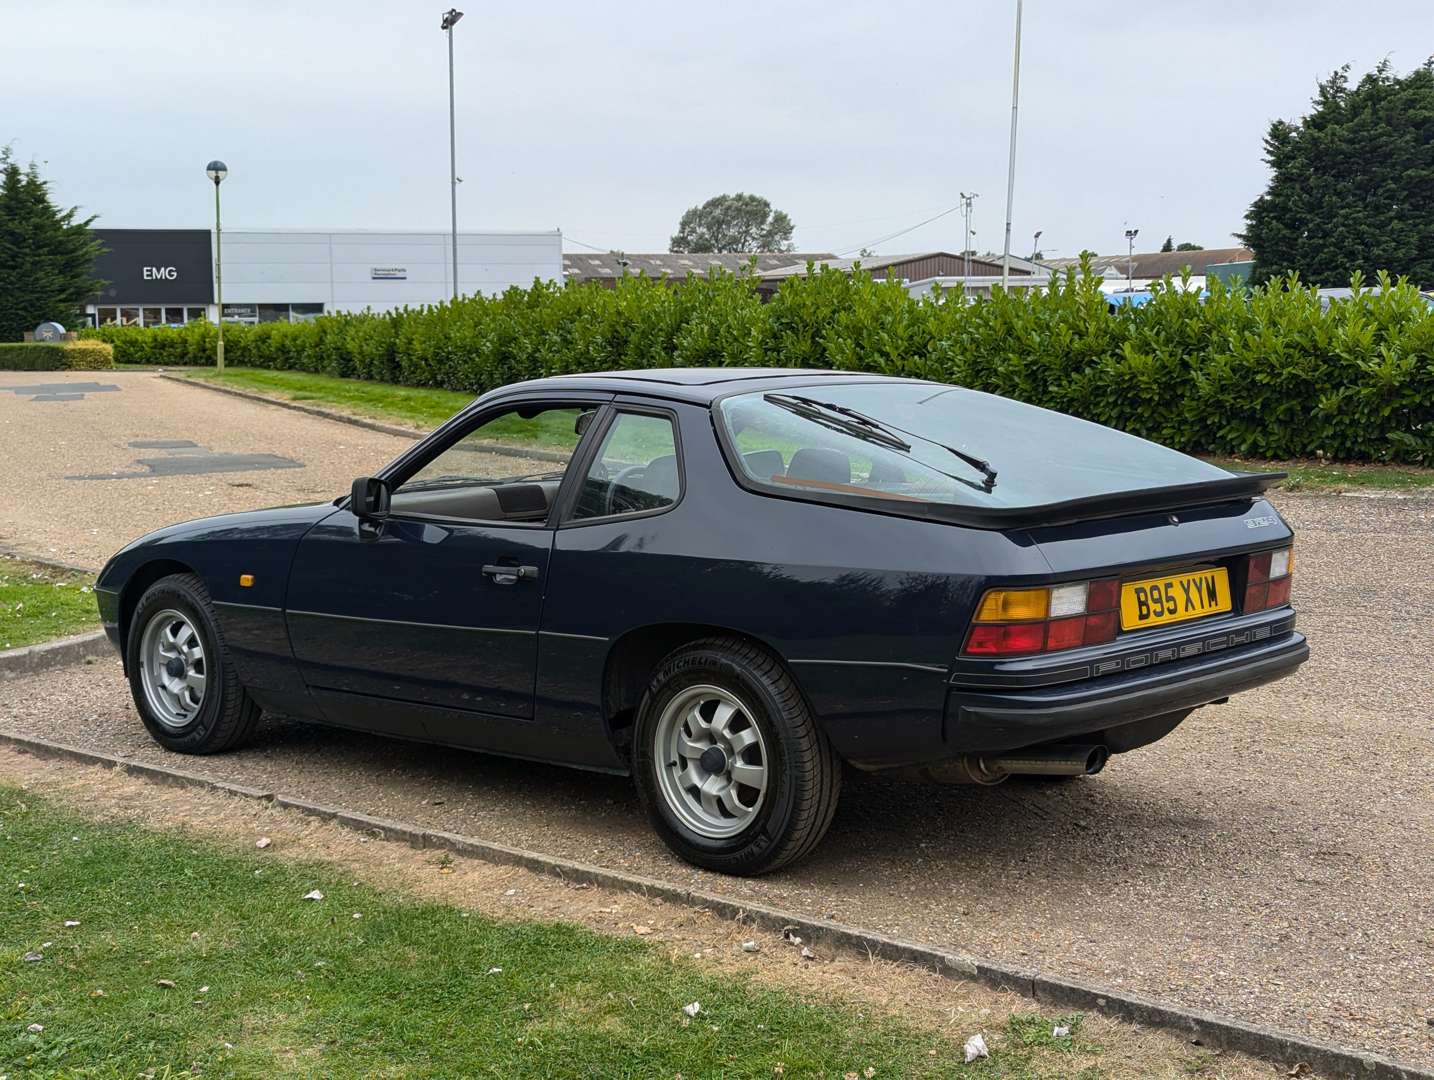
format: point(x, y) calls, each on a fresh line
point(1272, 860)
point(95, 458)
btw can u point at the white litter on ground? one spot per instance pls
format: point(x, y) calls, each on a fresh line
point(976, 1048)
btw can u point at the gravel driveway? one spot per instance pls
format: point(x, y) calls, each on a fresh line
point(1272, 860)
point(95, 458)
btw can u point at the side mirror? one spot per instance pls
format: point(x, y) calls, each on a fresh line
point(370, 498)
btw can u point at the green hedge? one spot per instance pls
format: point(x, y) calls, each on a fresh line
point(1267, 373)
point(82, 355)
point(32, 356)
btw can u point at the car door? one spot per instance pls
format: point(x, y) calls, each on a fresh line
point(424, 622)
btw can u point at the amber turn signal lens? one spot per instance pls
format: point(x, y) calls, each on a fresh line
point(1014, 605)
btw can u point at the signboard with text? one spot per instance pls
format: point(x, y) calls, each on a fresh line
point(388, 273)
point(155, 266)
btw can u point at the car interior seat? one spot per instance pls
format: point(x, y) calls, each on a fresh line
point(821, 464)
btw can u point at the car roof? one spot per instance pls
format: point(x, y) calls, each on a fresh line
point(695, 384)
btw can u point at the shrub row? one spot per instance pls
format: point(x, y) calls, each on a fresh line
point(1268, 373)
point(82, 355)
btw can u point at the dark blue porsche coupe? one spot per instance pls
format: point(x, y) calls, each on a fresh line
point(729, 583)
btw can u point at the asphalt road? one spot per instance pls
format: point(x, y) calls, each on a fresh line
point(1272, 860)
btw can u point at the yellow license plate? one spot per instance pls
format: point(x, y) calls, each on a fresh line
point(1174, 599)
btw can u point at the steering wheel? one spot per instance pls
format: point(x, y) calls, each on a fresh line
point(616, 502)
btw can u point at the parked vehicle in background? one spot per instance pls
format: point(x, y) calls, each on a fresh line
point(728, 583)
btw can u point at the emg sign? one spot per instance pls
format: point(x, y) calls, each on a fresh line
point(155, 266)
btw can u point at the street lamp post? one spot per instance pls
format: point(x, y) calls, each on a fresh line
point(450, 20)
point(1130, 235)
point(1036, 245)
point(967, 197)
point(1011, 157)
point(217, 171)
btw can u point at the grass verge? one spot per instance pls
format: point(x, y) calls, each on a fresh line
point(1328, 476)
point(38, 603)
point(133, 952)
point(414, 406)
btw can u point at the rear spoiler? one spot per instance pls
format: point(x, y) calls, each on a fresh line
point(1244, 485)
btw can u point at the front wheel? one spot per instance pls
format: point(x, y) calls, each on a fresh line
point(731, 767)
point(180, 674)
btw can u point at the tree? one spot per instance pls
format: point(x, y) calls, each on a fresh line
point(1184, 245)
point(1352, 183)
point(47, 258)
point(738, 222)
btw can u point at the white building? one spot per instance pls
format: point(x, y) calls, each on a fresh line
point(166, 276)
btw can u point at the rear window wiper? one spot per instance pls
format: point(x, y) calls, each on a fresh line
point(861, 426)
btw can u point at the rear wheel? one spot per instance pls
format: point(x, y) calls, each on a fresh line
point(180, 674)
point(732, 769)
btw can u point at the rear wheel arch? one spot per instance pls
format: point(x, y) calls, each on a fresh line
point(636, 655)
point(135, 588)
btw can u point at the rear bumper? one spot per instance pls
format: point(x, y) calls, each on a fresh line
point(1008, 719)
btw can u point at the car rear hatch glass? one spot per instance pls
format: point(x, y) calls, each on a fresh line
point(928, 450)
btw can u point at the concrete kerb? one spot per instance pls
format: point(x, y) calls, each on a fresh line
point(81, 648)
point(1200, 1028)
point(9, 551)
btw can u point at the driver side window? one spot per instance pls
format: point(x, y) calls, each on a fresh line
point(635, 470)
point(507, 469)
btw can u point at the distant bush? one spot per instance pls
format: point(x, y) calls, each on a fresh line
point(82, 355)
point(1267, 373)
point(31, 356)
point(89, 355)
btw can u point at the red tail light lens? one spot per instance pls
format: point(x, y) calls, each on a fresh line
point(1059, 617)
point(1267, 584)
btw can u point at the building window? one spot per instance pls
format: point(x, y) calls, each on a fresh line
point(174, 316)
point(153, 316)
point(273, 313)
point(305, 312)
point(129, 316)
point(195, 314)
point(245, 313)
point(106, 316)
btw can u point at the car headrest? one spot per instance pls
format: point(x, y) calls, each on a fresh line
point(661, 477)
point(821, 464)
point(886, 471)
point(763, 464)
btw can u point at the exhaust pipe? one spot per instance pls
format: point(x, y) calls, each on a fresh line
point(986, 769)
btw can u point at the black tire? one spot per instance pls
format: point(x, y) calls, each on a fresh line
point(226, 716)
point(805, 773)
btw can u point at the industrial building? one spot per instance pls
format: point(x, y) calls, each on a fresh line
point(165, 277)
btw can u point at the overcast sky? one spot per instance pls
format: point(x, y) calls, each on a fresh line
point(608, 120)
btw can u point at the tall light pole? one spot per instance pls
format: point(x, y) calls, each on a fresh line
point(450, 20)
point(1011, 156)
point(967, 197)
point(1036, 245)
point(216, 170)
point(1130, 235)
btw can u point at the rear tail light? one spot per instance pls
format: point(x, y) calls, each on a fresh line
point(1267, 584)
point(1015, 622)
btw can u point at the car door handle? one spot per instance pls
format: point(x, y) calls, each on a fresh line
point(510, 575)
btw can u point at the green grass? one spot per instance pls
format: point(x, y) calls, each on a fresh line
point(266, 983)
point(1333, 476)
point(411, 405)
point(38, 603)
